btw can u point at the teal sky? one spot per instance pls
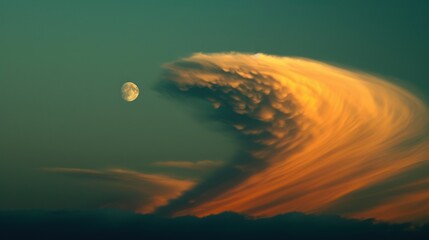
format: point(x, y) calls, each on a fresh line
point(62, 64)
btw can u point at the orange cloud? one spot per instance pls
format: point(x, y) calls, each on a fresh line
point(150, 191)
point(314, 134)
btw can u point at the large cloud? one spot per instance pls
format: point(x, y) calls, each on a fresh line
point(313, 136)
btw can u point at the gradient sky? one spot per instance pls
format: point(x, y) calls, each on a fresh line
point(62, 66)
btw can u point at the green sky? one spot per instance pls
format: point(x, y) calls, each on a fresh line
point(62, 64)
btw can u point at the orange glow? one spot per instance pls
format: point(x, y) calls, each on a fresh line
point(323, 132)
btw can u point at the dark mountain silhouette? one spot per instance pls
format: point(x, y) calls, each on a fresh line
point(116, 224)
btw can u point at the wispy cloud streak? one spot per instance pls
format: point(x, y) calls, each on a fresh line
point(150, 191)
point(199, 165)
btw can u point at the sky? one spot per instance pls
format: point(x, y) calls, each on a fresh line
point(62, 65)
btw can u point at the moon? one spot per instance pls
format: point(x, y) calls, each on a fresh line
point(130, 91)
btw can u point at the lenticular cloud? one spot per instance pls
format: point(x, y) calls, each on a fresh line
point(316, 139)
